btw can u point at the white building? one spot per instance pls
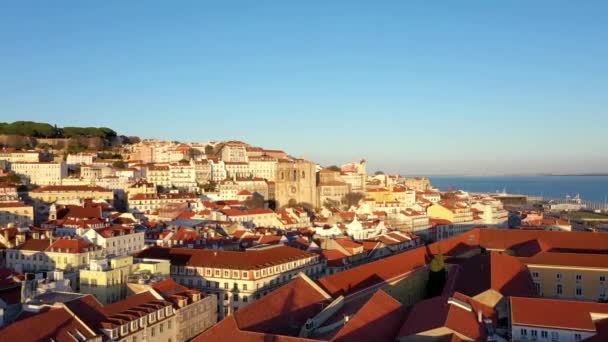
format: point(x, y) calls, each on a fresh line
point(41, 173)
point(116, 240)
point(80, 158)
point(263, 167)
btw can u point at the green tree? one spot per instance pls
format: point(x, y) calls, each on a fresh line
point(377, 173)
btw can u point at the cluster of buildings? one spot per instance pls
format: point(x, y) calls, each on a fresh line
point(500, 285)
point(166, 239)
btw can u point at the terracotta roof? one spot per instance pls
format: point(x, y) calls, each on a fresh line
point(245, 260)
point(70, 188)
point(228, 330)
point(438, 312)
point(555, 313)
point(374, 273)
point(379, 320)
point(71, 246)
point(56, 324)
point(34, 245)
point(497, 271)
point(237, 212)
point(283, 311)
point(15, 204)
point(568, 259)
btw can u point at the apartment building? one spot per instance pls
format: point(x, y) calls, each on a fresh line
point(146, 316)
point(455, 212)
point(17, 213)
point(236, 278)
point(159, 175)
point(542, 319)
point(194, 311)
point(149, 203)
point(34, 255)
point(234, 152)
point(182, 175)
point(80, 158)
point(107, 278)
point(67, 193)
point(41, 173)
point(15, 156)
point(258, 217)
point(237, 169)
point(264, 167)
point(116, 240)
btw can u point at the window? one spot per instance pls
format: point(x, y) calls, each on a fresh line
point(245, 299)
point(124, 329)
point(235, 286)
point(226, 274)
point(602, 278)
point(235, 274)
point(235, 298)
point(559, 289)
point(169, 324)
point(577, 337)
point(579, 291)
point(579, 278)
point(524, 332)
point(558, 276)
point(161, 328)
point(533, 333)
point(554, 336)
point(245, 274)
point(153, 331)
point(226, 286)
point(244, 287)
point(535, 274)
point(544, 334)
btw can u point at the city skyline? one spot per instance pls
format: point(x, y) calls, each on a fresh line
point(414, 89)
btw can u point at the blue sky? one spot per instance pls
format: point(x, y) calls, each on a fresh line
point(480, 87)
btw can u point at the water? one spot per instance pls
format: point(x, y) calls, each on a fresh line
point(591, 188)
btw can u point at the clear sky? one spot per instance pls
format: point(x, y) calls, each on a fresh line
point(432, 87)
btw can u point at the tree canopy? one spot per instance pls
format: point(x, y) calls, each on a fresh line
point(45, 130)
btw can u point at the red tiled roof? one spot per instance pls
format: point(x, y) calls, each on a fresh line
point(228, 330)
point(380, 271)
point(255, 211)
point(13, 205)
point(70, 246)
point(283, 311)
point(56, 324)
point(245, 260)
point(436, 313)
point(555, 313)
point(35, 245)
point(378, 320)
point(498, 271)
point(70, 188)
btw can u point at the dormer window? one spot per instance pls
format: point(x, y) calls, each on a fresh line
point(168, 310)
point(152, 317)
point(142, 321)
point(124, 329)
point(134, 325)
point(161, 314)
